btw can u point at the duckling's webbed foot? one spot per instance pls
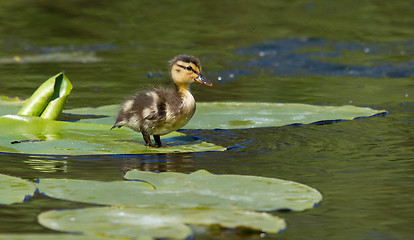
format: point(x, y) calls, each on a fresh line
point(147, 139)
point(157, 140)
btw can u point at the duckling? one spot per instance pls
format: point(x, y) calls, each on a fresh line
point(159, 111)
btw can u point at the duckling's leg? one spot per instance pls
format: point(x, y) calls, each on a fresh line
point(147, 139)
point(157, 140)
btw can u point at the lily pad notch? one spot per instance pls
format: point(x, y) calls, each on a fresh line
point(325, 122)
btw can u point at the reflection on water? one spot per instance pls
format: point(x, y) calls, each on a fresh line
point(47, 166)
point(324, 52)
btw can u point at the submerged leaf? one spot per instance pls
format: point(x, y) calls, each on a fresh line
point(14, 189)
point(231, 115)
point(200, 189)
point(54, 57)
point(66, 138)
point(49, 99)
point(10, 105)
point(154, 222)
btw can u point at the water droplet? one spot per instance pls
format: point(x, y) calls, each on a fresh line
point(262, 235)
point(406, 95)
point(350, 101)
point(367, 50)
point(231, 75)
point(219, 78)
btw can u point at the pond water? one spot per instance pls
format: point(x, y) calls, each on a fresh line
point(315, 52)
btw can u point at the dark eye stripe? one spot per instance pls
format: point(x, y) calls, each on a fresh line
point(188, 68)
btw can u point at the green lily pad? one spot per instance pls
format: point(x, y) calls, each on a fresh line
point(200, 189)
point(66, 138)
point(96, 192)
point(49, 99)
point(154, 222)
point(14, 189)
point(246, 192)
point(232, 115)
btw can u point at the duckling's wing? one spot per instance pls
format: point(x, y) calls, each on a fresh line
point(132, 111)
point(155, 106)
point(149, 109)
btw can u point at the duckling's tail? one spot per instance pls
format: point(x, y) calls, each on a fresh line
point(115, 126)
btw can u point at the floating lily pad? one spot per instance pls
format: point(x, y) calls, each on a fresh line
point(200, 189)
point(97, 192)
point(231, 115)
point(246, 192)
point(14, 189)
point(248, 115)
point(66, 138)
point(154, 222)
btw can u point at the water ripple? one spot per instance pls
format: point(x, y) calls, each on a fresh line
point(315, 56)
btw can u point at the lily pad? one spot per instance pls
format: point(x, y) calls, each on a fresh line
point(66, 138)
point(200, 189)
point(14, 189)
point(154, 222)
point(96, 192)
point(232, 115)
point(246, 192)
point(49, 99)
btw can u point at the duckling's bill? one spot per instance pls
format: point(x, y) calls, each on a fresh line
point(201, 79)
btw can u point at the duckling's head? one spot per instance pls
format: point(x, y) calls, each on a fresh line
point(186, 69)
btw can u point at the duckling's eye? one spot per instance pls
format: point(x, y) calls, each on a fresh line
point(188, 68)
